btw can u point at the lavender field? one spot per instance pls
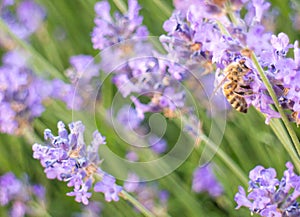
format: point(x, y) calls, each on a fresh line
point(149, 108)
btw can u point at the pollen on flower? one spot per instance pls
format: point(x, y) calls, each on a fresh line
point(69, 159)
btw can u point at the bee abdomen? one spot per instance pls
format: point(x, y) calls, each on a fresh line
point(239, 104)
point(236, 101)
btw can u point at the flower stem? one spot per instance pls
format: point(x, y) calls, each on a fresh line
point(219, 153)
point(136, 203)
point(276, 103)
point(283, 136)
point(39, 209)
point(225, 158)
point(120, 5)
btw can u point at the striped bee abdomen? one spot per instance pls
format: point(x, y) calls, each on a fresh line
point(237, 101)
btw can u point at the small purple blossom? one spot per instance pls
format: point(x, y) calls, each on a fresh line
point(270, 196)
point(67, 158)
point(108, 187)
point(205, 180)
point(158, 145)
point(83, 69)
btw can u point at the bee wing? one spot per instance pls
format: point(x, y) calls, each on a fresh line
point(220, 84)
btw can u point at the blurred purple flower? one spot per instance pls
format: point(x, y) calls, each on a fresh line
point(68, 159)
point(205, 180)
point(93, 209)
point(83, 69)
point(111, 30)
point(20, 194)
point(158, 145)
point(269, 196)
point(22, 93)
point(28, 18)
point(148, 194)
point(128, 117)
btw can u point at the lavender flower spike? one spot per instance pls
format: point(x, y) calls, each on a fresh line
point(68, 159)
point(111, 30)
point(269, 196)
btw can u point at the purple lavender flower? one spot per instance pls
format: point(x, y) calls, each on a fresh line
point(120, 37)
point(155, 79)
point(110, 30)
point(68, 159)
point(269, 196)
point(20, 194)
point(28, 18)
point(205, 180)
point(108, 187)
point(22, 93)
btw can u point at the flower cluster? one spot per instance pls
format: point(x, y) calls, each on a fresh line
point(147, 194)
point(20, 195)
point(155, 79)
point(204, 180)
point(151, 77)
point(111, 30)
point(121, 37)
point(210, 37)
point(269, 196)
point(22, 93)
point(68, 159)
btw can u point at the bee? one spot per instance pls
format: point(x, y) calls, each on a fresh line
point(235, 88)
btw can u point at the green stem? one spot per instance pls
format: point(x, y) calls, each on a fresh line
point(36, 55)
point(223, 30)
point(221, 154)
point(283, 136)
point(136, 203)
point(225, 158)
point(276, 103)
point(161, 4)
point(121, 6)
point(40, 209)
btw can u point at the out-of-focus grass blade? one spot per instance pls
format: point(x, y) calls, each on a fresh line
point(285, 139)
point(120, 5)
